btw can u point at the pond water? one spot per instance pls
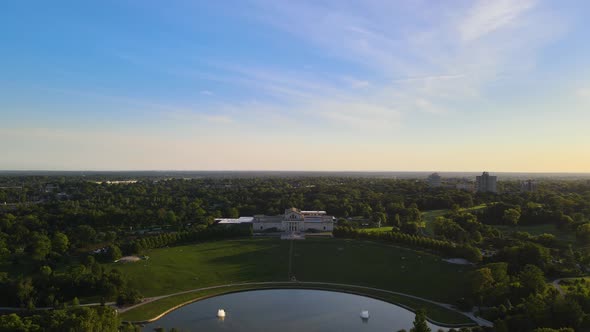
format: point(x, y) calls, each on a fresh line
point(288, 310)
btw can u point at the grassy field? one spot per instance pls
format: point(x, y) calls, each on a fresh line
point(175, 269)
point(354, 262)
point(379, 265)
point(153, 309)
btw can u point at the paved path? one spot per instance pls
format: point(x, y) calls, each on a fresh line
point(557, 286)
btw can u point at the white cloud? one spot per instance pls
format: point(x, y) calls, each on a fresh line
point(419, 56)
point(410, 57)
point(487, 16)
point(206, 92)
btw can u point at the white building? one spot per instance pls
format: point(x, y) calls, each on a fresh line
point(295, 220)
point(234, 221)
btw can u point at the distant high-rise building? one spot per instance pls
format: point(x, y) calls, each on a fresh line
point(528, 186)
point(434, 180)
point(486, 183)
point(467, 186)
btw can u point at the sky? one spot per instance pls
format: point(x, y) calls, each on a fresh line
point(380, 85)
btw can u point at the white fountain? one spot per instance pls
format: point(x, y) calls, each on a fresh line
point(365, 314)
point(221, 313)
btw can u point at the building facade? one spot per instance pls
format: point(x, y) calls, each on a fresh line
point(434, 180)
point(295, 220)
point(528, 186)
point(486, 183)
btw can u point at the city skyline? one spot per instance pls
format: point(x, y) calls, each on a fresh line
point(499, 85)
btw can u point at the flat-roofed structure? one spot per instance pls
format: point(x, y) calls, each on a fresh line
point(434, 180)
point(486, 183)
point(233, 221)
point(295, 220)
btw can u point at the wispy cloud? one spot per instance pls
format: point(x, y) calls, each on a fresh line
point(487, 16)
point(415, 67)
point(424, 60)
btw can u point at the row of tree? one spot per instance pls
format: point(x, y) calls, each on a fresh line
point(446, 248)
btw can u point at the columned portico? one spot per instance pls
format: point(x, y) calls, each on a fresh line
point(295, 221)
point(292, 226)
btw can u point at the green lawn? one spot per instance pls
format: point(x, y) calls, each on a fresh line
point(354, 262)
point(379, 265)
point(174, 269)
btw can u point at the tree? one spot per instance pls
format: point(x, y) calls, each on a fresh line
point(60, 243)
point(410, 228)
point(420, 324)
point(583, 233)
point(482, 282)
point(546, 329)
point(379, 218)
point(397, 221)
point(40, 246)
point(532, 280)
point(85, 234)
point(25, 291)
point(511, 217)
point(414, 214)
point(565, 221)
point(113, 253)
point(13, 323)
point(45, 271)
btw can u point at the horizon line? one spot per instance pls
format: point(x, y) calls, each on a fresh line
point(291, 171)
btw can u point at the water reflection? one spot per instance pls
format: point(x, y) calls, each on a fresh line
point(288, 310)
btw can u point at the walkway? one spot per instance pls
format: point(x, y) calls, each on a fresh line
point(557, 286)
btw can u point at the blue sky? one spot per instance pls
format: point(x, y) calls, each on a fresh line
point(295, 85)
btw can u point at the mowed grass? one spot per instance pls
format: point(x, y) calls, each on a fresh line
point(353, 262)
point(381, 266)
point(364, 263)
point(174, 269)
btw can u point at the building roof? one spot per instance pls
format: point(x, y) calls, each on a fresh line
point(313, 212)
point(239, 220)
